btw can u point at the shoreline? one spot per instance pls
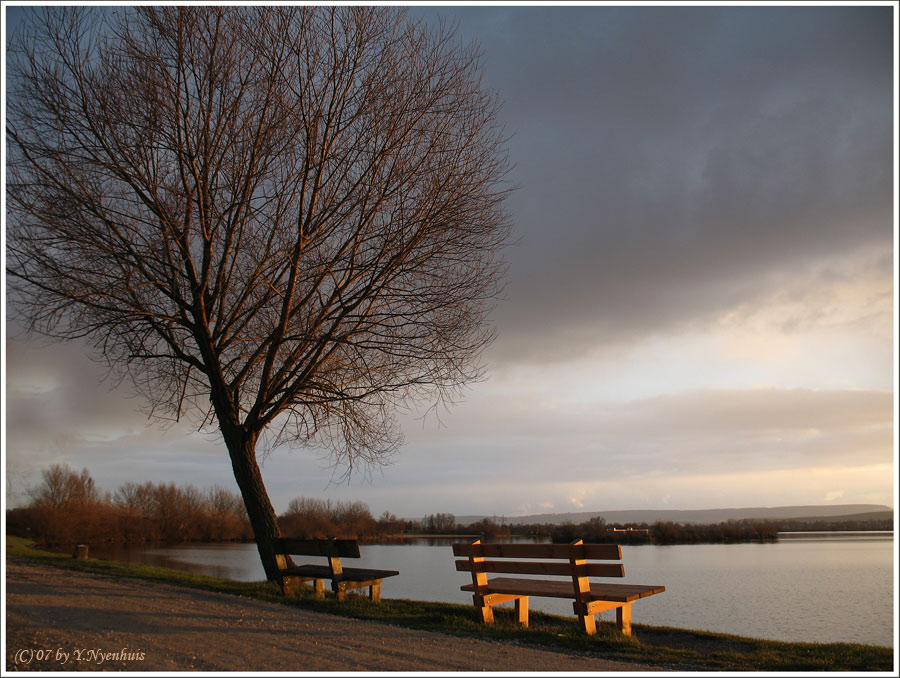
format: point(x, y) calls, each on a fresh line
point(671, 648)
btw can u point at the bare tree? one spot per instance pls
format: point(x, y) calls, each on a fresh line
point(287, 219)
point(439, 522)
point(63, 488)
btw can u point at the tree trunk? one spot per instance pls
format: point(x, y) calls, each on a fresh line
point(263, 520)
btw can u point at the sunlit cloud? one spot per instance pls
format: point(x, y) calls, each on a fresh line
point(777, 487)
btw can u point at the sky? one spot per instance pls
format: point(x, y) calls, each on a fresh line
point(699, 309)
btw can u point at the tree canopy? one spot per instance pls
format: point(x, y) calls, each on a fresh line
point(286, 218)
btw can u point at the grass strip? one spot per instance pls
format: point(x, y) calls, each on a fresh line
point(666, 647)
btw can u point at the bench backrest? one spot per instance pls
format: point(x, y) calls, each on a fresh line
point(327, 548)
point(333, 549)
point(562, 560)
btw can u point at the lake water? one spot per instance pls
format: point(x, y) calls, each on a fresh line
point(815, 587)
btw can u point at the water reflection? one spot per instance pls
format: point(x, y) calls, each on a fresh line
point(230, 561)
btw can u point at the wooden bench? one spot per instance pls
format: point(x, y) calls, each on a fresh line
point(342, 579)
point(564, 560)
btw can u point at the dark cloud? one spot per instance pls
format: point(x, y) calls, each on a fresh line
point(671, 158)
point(675, 164)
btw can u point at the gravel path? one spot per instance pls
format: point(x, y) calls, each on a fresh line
point(68, 621)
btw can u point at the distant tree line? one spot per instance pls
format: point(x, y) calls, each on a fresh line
point(597, 530)
point(445, 523)
point(66, 507)
point(308, 518)
point(725, 532)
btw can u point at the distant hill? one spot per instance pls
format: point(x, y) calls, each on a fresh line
point(856, 517)
point(702, 516)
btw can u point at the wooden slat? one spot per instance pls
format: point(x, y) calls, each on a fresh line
point(630, 592)
point(558, 569)
point(308, 571)
point(349, 573)
point(360, 573)
point(622, 593)
point(328, 548)
point(588, 551)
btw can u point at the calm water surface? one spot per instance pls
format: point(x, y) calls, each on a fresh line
point(816, 587)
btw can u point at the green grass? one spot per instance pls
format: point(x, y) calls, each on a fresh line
point(670, 648)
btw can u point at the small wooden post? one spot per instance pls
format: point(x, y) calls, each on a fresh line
point(582, 587)
point(80, 552)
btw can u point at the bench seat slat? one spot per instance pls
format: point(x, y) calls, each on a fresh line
point(587, 551)
point(559, 569)
point(349, 573)
point(619, 593)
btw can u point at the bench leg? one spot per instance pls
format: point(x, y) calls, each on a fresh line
point(319, 585)
point(375, 592)
point(623, 619)
point(487, 613)
point(588, 623)
point(522, 610)
point(485, 604)
point(340, 590)
point(289, 587)
point(585, 618)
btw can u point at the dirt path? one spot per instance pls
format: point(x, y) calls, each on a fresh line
point(66, 620)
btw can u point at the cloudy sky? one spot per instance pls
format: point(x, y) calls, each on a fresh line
point(699, 309)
